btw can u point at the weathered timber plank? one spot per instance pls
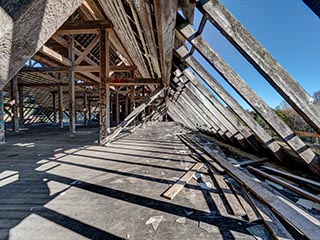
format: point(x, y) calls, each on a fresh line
point(173, 191)
point(229, 196)
point(275, 227)
point(165, 15)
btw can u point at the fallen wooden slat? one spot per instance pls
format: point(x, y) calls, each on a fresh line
point(272, 223)
point(251, 162)
point(286, 184)
point(296, 217)
point(292, 176)
point(243, 199)
point(229, 196)
point(172, 191)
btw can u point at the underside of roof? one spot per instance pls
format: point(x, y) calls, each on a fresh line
point(121, 51)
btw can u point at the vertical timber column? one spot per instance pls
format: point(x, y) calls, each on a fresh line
point(117, 106)
point(89, 112)
point(144, 111)
point(85, 103)
point(72, 97)
point(132, 103)
point(2, 135)
point(14, 99)
point(127, 105)
point(54, 108)
point(104, 87)
point(21, 112)
point(60, 106)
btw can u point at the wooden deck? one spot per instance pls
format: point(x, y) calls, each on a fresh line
point(54, 185)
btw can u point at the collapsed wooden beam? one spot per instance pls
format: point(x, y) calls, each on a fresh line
point(262, 61)
point(147, 101)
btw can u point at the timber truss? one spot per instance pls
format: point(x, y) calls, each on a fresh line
point(128, 62)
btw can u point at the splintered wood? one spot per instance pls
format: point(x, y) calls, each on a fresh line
point(173, 191)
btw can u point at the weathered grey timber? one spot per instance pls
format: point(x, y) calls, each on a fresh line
point(60, 107)
point(263, 61)
point(254, 100)
point(148, 100)
point(209, 97)
point(14, 105)
point(260, 133)
point(176, 113)
point(212, 112)
point(165, 15)
point(72, 90)
point(2, 131)
point(201, 109)
point(26, 27)
point(104, 70)
point(21, 106)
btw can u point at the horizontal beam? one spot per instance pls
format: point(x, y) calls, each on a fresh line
point(122, 68)
point(133, 81)
point(84, 27)
point(45, 69)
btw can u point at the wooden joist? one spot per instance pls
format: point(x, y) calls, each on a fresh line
point(84, 27)
point(173, 191)
point(133, 81)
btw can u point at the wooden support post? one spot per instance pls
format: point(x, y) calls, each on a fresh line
point(54, 111)
point(262, 61)
point(117, 106)
point(132, 101)
point(85, 103)
point(60, 106)
point(2, 129)
point(104, 87)
point(72, 98)
point(127, 105)
point(143, 115)
point(21, 110)
point(307, 156)
point(14, 100)
point(89, 112)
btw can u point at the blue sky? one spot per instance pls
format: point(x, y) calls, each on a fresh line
point(288, 29)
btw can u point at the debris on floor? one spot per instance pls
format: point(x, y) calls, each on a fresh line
point(155, 221)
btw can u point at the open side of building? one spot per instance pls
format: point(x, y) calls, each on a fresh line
point(106, 115)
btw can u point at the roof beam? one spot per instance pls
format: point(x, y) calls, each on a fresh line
point(165, 15)
point(262, 61)
point(133, 81)
point(84, 27)
point(307, 156)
